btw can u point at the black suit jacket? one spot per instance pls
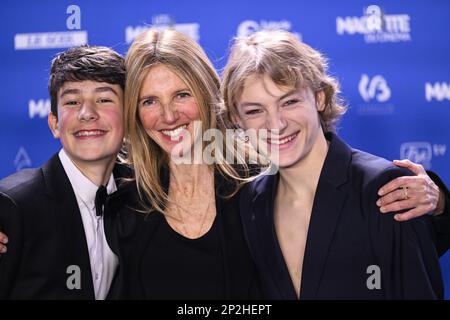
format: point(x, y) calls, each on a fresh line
point(40, 215)
point(129, 234)
point(347, 234)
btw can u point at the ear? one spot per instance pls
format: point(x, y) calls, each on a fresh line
point(52, 121)
point(320, 101)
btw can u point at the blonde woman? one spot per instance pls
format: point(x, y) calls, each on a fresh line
point(188, 242)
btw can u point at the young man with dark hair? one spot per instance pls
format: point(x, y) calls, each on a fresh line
point(53, 215)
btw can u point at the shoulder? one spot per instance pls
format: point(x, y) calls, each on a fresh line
point(372, 170)
point(22, 185)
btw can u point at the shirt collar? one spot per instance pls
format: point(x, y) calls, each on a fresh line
point(84, 188)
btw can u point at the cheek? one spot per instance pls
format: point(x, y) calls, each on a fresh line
point(65, 117)
point(115, 119)
point(148, 119)
point(254, 123)
point(191, 111)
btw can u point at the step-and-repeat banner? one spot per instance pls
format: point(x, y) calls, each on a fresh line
point(391, 57)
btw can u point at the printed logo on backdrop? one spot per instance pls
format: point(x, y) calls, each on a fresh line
point(38, 108)
point(248, 27)
point(438, 91)
point(422, 152)
point(22, 160)
point(376, 93)
point(376, 26)
point(161, 22)
point(55, 39)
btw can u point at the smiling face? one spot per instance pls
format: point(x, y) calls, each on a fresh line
point(89, 123)
point(167, 108)
point(289, 114)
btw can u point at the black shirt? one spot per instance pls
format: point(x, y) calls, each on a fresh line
point(190, 268)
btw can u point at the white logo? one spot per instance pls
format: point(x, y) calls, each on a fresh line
point(421, 152)
point(248, 27)
point(73, 22)
point(374, 280)
point(161, 22)
point(49, 40)
point(376, 88)
point(52, 40)
point(22, 160)
point(376, 26)
point(39, 108)
point(438, 91)
point(74, 280)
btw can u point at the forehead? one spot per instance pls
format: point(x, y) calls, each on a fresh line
point(257, 86)
point(160, 78)
point(88, 86)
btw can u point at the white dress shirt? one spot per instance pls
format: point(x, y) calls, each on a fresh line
point(103, 261)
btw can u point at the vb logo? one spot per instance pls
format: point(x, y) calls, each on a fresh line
point(375, 88)
point(74, 278)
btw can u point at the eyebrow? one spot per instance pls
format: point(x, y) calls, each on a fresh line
point(155, 97)
point(97, 90)
point(284, 96)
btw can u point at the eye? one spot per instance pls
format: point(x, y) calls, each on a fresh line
point(104, 100)
point(252, 111)
point(148, 102)
point(184, 94)
point(290, 102)
point(71, 103)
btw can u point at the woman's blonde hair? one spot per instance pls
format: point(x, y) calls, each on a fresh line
point(186, 59)
point(288, 62)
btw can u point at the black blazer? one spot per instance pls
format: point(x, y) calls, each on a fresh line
point(129, 234)
point(441, 223)
point(347, 234)
point(40, 215)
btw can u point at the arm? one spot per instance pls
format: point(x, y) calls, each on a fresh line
point(10, 223)
point(427, 194)
point(406, 252)
point(441, 223)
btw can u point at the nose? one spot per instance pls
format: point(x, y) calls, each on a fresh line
point(88, 112)
point(170, 113)
point(276, 122)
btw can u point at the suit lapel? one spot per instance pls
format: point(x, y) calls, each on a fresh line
point(328, 203)
point(262, 210)
point(325, 216)
point(66, 206)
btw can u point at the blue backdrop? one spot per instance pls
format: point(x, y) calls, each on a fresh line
point(392, 59)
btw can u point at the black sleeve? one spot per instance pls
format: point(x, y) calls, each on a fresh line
point(11, 225)
point(406, 251)
point(441, 223)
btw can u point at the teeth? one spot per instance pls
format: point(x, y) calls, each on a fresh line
point(282, 141)
point(89, 133)
point(175, 132)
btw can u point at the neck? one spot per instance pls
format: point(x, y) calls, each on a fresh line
point(98, 172)
point(190, 176)
point(301, 179)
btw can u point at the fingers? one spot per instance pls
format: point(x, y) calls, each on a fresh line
point(416, 168)
point(408, 181)
point(396, 195)
point(413, 213)
point(398, 206)
point(3, 238)
point(2, 249)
